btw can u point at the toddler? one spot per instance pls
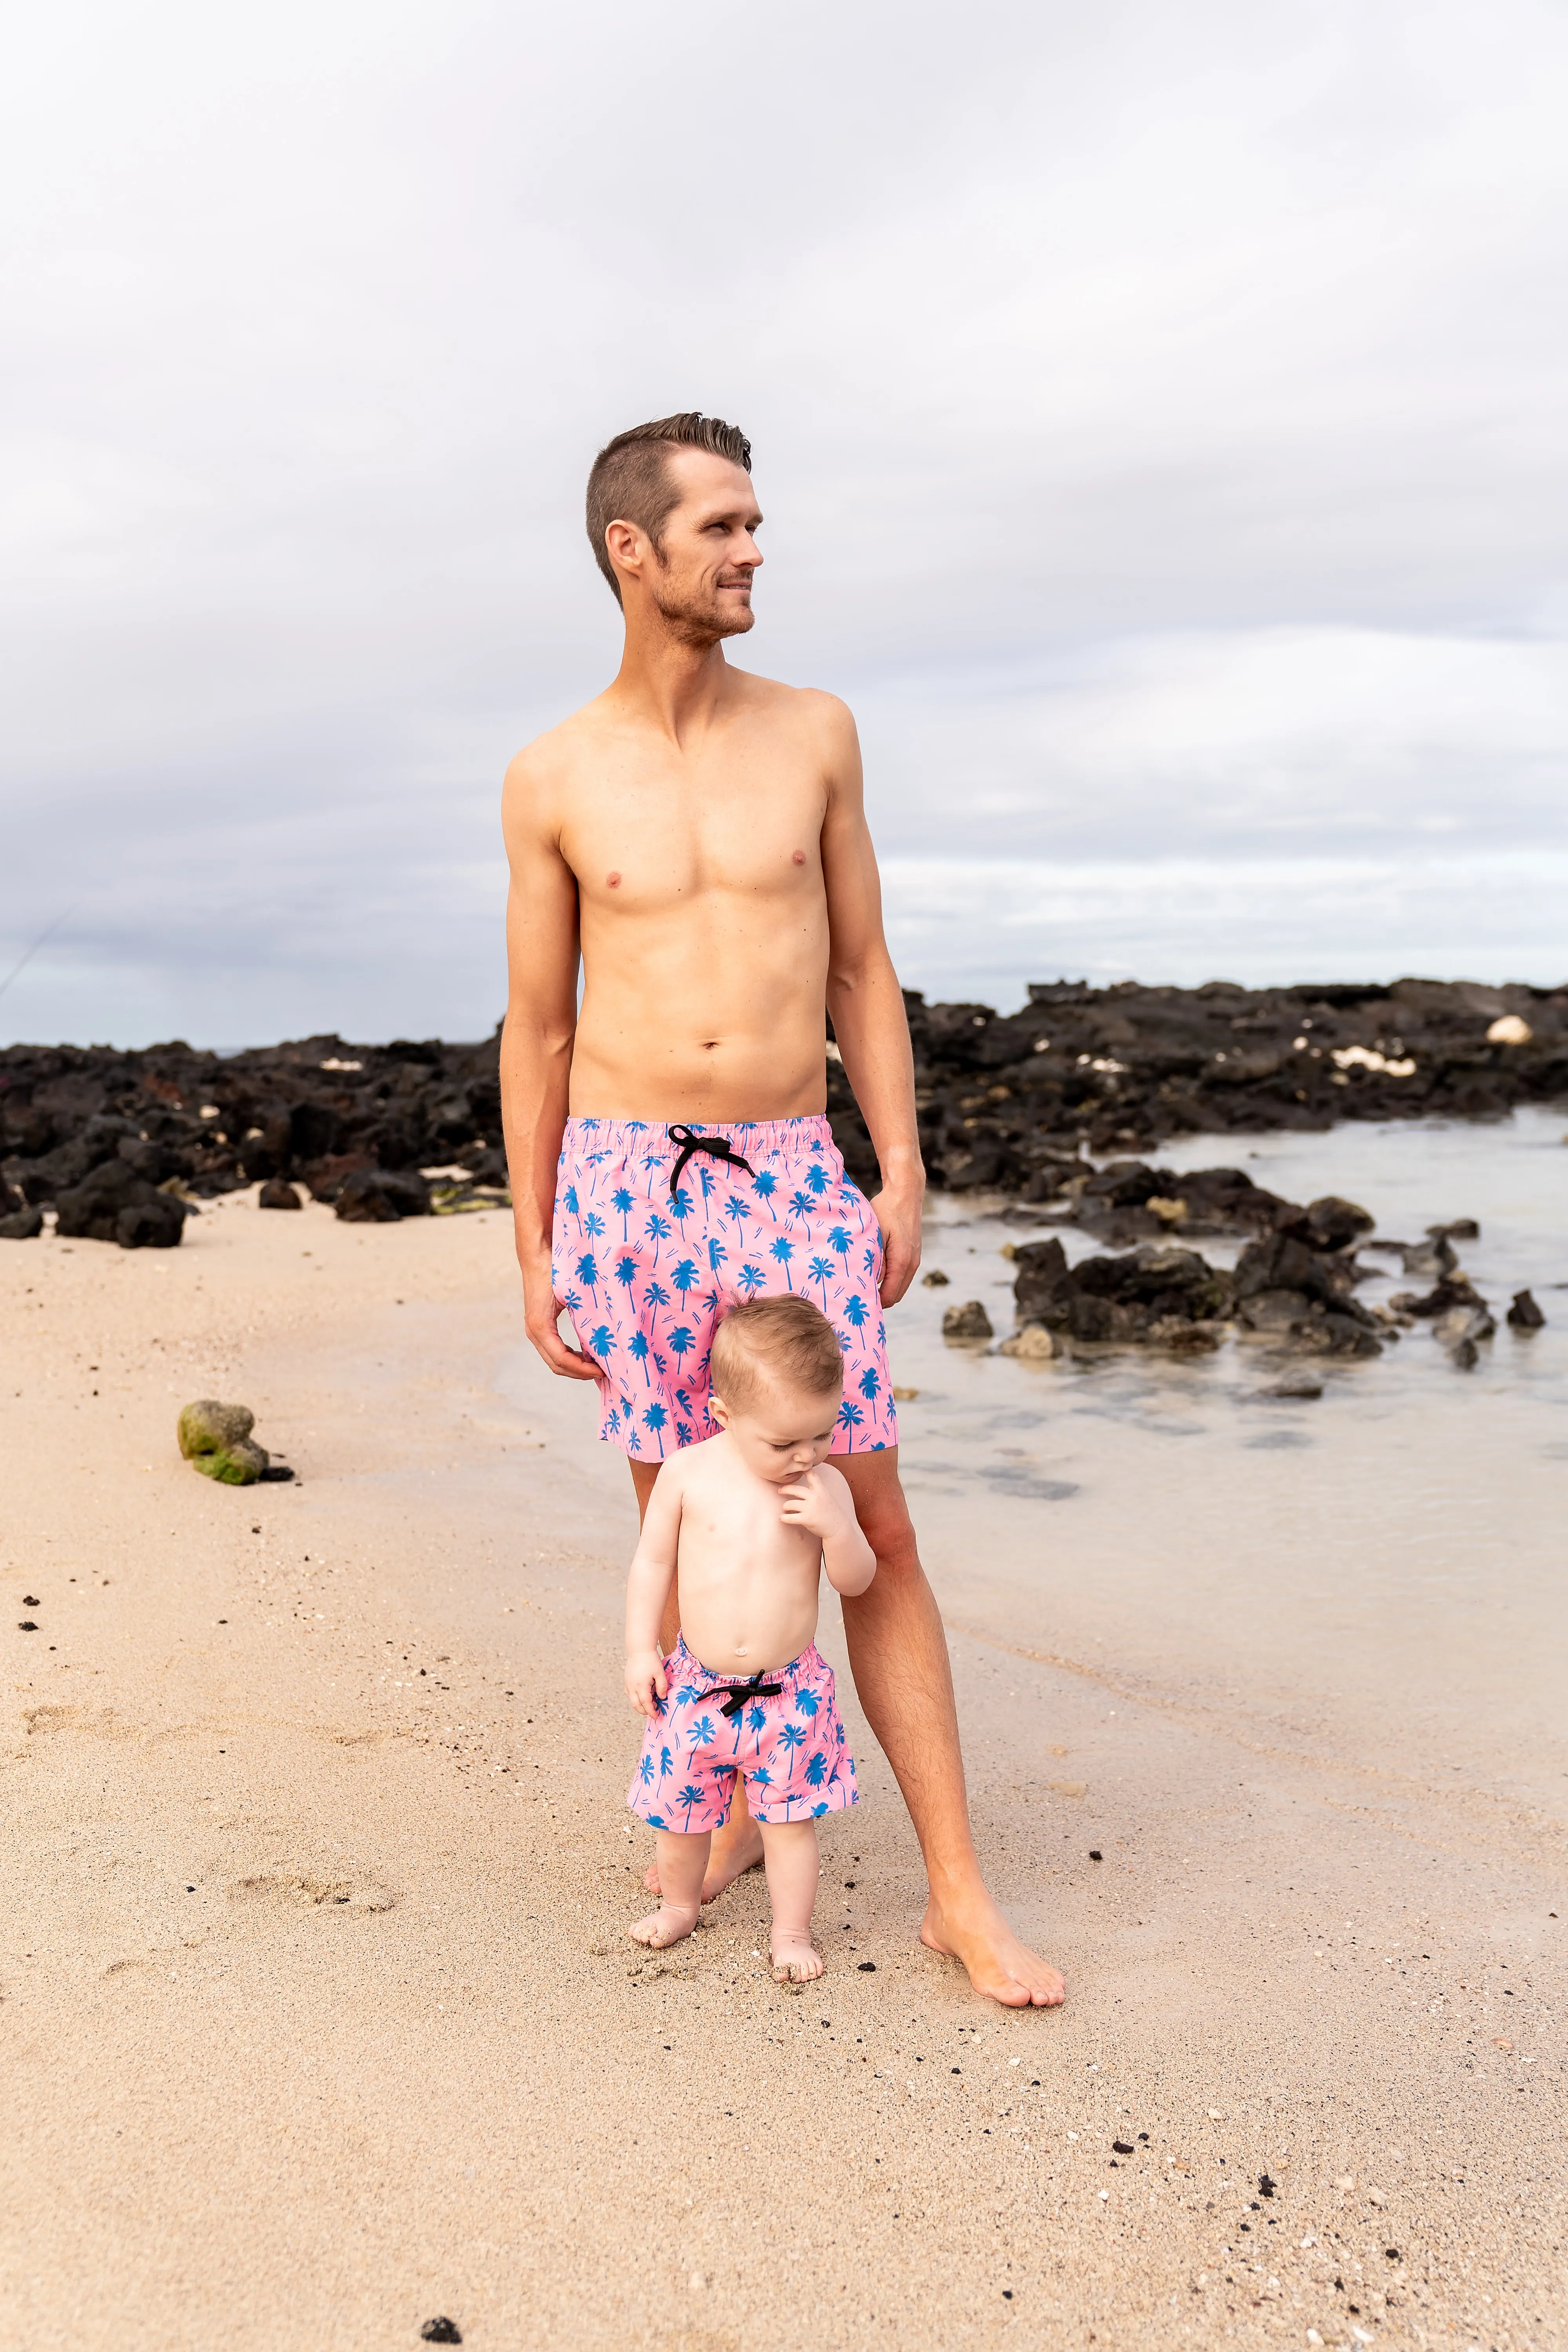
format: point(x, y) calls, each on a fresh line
point(748, 1520)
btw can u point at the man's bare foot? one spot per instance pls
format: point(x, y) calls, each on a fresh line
point(795, 1958)
point(669, 1925)
point(729, 1857)
point(972, 1930)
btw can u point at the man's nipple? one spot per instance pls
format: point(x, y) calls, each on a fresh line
point(614, 881)
point(798, 856)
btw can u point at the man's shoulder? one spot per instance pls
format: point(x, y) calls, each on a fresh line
point(811, 706)
point(551, 757)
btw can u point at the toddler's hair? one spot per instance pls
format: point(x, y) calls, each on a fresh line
point(786, 1340)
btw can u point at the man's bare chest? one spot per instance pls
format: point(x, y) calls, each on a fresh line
point(649, 834)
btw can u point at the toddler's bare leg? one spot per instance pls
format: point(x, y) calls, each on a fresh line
point(681, 1862)
point(790, 1859)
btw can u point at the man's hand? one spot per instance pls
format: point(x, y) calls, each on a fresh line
point(540, 1307)
point(646, 1681)
point(899, 1216)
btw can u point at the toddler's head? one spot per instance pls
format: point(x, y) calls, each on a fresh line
point(778, 1379)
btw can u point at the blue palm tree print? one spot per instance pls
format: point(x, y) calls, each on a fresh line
point(821, 1271)
point(623, 1203)
point(756, 1724)
point(717, 1254)
point(701, 1732)
point(626, 1272)
point(816, 1180)
point(767, 1185)
point(854, 1311)
point(849, 1415)
point(800, 1204)
point(680, 1341)
point(645, 1771)
point(654, 1418)
point(602, 1343)
point(637, 1343)
point(593, 1224)
point(684, 1276)
point(838, 1240)
point(588, 1272)
point(572, 1200)
point(869, 1383)
point(816, 1769)
point(665, 1760)
point(753, 1279)
point(807, 1702)
point(659, 1229)
point(782, 1251)
point(690, 1796)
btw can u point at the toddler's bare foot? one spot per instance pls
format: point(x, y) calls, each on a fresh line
point(668, 1925)
point(795, 1958)
point(733, 1852)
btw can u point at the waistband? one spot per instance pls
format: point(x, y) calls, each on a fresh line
point(682, 1664)
point(649, 1140)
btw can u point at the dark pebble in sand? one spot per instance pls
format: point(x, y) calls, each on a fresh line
point(1095, 1855)
point(277, 1474)
point(440, 2331)
point(1391, 2254)
point(25, 1625)
point(867, 1968)
point(1122, 2147)
point(29, 1600)
point(1265, 2187)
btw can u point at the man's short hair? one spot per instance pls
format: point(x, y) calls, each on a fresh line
point(784, 1342)
point(631, 480)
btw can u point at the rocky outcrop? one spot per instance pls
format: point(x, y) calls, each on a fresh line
point(1009, 1102)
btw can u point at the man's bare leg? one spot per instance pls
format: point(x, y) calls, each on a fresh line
point(738, 1846)
point(898, 1653)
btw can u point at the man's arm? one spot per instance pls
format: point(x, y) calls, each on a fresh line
point(868, 1006)
point(536, 1044)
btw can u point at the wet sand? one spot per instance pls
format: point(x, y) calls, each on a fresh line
point(318, 2013)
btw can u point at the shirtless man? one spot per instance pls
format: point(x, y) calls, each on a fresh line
point(695, 837)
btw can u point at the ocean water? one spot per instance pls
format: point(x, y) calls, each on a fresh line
point(1379, 1577)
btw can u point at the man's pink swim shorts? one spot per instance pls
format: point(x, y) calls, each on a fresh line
point(657, 1229)
point(780, 1731)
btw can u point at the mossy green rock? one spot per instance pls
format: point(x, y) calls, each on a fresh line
point(216, 1439)
point(233, 1465)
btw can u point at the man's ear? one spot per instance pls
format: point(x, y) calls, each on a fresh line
point(625, 545)
point(720, 1410)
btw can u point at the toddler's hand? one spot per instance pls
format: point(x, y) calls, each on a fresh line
point(821, 1506)
point(646, 1681)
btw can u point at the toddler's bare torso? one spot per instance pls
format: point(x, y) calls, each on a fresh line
point(748, 1581)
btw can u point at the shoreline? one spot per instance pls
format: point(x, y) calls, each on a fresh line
point(393, 2055)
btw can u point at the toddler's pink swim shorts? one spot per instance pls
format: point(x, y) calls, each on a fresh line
point(781, 1730)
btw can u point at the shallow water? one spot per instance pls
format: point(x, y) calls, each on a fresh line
point(1377, 1576)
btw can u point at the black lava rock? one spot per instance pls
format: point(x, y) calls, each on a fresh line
point(440, 2331)
point(379, 1196)
point(112, 1203)
point(1524, 1315)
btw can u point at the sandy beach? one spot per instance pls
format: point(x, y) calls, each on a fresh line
point(318, 2013)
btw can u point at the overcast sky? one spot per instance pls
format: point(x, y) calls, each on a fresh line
point(1158, 415)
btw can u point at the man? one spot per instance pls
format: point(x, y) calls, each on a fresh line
point(695, 836)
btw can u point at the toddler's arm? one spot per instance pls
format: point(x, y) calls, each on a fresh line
point(822, 1502)
point(647, 1590)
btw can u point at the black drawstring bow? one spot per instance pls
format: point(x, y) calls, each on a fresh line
point(739, 1693)
point(714, 1144)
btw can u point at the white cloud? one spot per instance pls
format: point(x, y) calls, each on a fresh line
point(1157, 414)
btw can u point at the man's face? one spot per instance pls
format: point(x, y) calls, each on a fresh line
point(786, 1433)
point(702, 586)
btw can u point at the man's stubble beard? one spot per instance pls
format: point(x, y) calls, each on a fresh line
point(699, 623)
